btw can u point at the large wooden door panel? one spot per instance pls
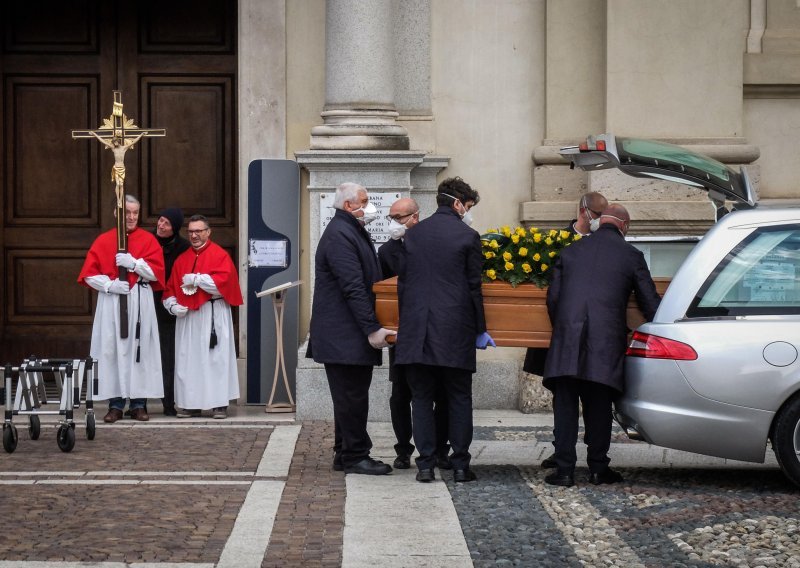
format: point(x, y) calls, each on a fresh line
point(51, 179)
point(191, 167)
point(175, 63)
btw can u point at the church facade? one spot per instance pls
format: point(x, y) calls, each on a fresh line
point(394, 94)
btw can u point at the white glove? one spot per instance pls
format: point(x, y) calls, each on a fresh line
point(377, 339)
point(178, 310)
point(126, 260)
point(189, 279)
point(118, 286)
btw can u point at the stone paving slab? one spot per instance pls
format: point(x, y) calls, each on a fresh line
point(256, 492)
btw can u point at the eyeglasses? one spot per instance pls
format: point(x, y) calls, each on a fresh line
point(398, 217)
point(197, 232)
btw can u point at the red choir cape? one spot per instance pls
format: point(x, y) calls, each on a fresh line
point(101, 258)
point(213, 260)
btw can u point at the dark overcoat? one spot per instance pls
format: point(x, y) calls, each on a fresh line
point(172, 249)
point(439, 292)
point(390, 255)
point(343, 311)
point(535, 357)
point(587, 298)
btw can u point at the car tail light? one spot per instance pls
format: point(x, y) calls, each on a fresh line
point(655, 347)
point(601, 145)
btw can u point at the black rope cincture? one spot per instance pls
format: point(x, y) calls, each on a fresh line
point(213, 341)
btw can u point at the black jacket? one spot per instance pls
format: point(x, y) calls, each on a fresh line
point(587, 299)
point(439, 291)
point(390, 255)
point(172, 249)
point(535, 357)
point(343, 311)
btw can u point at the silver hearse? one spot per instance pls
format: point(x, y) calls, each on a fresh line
point(717, 371)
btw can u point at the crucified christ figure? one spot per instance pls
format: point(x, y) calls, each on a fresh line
point(119, 146)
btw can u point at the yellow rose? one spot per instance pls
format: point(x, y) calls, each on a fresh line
point(491, 274)
point(548, 241)
point(506, 231)
point(552, 233)
point(521, 231)
point(489, 255)
point(564, 234)
point(494, 244)
point(523, 251)
point(506, 256)
point(537, 257)
point(515, 238)
point(576, 237)
point(551, 254)
point(509, 266)
point(537, 238)
point(544, 267)
point(526, 268)
point(534, 230)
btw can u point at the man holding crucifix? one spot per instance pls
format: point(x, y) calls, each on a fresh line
point(128, 367)
point(121, 265)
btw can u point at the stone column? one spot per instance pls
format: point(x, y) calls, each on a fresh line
point(359, 82)
point(644, 72)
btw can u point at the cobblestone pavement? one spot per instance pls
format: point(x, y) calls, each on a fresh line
point(259, 491)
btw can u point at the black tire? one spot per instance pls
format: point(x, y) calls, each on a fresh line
point(65, 438)
point(10, 438)
point(90, 426)
point(34, 427)
point(786, 439)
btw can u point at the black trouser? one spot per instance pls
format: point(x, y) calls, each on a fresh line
point(400, 408)
point(457, 385)
point(597, 418)
point(349, 385)
point(166, 334)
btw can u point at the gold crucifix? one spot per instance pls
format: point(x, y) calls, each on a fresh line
point(119, 134)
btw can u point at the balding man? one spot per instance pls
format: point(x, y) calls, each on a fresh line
point(586, 222)
point(587, 301)
point(403, 215)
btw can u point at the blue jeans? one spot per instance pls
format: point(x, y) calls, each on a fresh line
point(119, 403)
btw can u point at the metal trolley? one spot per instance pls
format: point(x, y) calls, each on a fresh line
point(31, 395)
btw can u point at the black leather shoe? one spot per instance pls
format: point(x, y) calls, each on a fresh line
point(464, 475)
point(426, 475)
point(443, 462)
point(549, 462)
point(402, 462)
point(560, 480)
point(607, 476)
point(369, 466)
point(337, 462)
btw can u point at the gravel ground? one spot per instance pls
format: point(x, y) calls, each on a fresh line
point(656, 517)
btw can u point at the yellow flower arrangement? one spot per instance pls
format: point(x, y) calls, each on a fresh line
point(530, 247)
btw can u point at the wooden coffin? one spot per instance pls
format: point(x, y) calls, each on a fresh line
point(515, 317)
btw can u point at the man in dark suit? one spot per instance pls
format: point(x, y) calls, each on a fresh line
point(587, 301)
point(441, 323)
point(345, 334)
point(587, 221)
point(403, 215)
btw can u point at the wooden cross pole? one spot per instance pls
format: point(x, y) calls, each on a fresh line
point(119, 134)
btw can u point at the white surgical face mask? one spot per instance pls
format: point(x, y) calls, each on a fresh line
point(370, 213)
point(396, 230)
point(466, 216)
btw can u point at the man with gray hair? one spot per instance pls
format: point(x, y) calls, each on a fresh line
point(345, 334)
point(129, 367)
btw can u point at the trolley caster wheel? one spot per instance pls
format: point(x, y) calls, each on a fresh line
point(66, 437)
point(90, 426)
point(34, 427)
point(9, 438)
